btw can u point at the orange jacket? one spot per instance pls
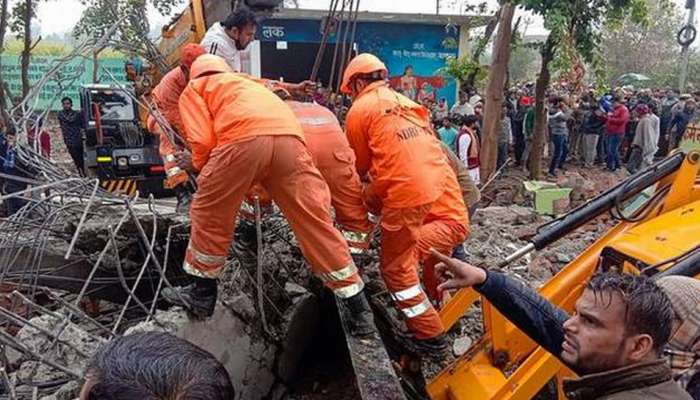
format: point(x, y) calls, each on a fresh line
point(335, 160)
point(166, 96)
point(393, 142)
point(322, 132)
point(219, 107)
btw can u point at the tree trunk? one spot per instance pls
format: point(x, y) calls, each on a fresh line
point(26, 50)
point(539, 135)
point(494, 92)
point(479, 50)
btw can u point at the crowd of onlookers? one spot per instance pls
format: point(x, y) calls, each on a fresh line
point(624, 128)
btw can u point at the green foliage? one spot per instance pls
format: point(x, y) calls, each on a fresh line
point(462, 68)
point(575, 25)
point(101, 15)
point(17, 14)
point(648, 47)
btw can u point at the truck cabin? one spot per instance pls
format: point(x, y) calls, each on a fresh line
point(111, 117)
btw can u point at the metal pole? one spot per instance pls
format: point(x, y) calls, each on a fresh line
point(685, 52)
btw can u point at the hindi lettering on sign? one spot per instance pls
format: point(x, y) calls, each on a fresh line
point(273, 32)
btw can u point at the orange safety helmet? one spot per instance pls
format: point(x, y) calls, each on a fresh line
point(364, 63)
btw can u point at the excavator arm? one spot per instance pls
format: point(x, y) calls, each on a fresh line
point(505, 363)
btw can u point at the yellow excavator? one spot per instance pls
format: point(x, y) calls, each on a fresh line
point(658, 234)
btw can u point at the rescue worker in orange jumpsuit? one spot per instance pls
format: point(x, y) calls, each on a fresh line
point(335, 160)
point(241, 134)
point(411, 186)
point(166, 96)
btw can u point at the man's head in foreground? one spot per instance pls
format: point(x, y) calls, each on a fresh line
point(154, 366)
point(619, 320)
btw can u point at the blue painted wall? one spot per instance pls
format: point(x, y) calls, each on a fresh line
point(398, 45)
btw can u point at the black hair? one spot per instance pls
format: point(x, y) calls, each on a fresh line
point(407, 67)
point(63, 100)
point(156, 366)
point(470, 120)
point(240, 19)
point(648, 309)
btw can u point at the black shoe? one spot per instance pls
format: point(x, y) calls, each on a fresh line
point(360, 315)
point(434, 348)
point(184, 200)
point(199, 298)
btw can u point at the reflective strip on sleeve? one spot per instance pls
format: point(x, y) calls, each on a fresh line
point(417, 310)
point(407, 294)
point(173, 172)
point(170, 158)
point(205, 258)
point(339, 275)
point(350, 290)
point(357, 237)
point(191, 270)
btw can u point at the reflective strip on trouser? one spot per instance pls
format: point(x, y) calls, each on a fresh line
point(445, 227)
point(410, 293)
point(357, 241)
point(343, 281)
point(201, 264)
point(399, 258)
point(282, 165)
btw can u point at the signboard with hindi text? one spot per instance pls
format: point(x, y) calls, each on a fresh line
point(67, 81)
point(691, 138)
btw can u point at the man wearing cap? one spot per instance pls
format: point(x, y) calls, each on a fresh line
point(413, 188)
point(683, 350)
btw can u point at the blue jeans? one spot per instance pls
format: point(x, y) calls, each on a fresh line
point(613, 156)
point(502, 155)
point(561, 150)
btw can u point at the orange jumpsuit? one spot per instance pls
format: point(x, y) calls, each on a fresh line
point(421, 202)
point(241, 134)
point(335, 160)
point(166, 96)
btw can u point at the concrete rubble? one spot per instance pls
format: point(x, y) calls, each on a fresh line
point(262, 327)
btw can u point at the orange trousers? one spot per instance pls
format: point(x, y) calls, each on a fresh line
point(284, 168)
point(335, 161)
point(407, 236)
point(445, 227)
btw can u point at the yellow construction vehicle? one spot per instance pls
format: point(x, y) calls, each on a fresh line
point(658, 234)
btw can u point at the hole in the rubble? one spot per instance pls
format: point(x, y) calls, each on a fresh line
point(325, 370)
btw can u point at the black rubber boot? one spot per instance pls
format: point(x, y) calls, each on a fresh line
point(434, 349)
point(360, 315)
point(199, 297)
point(184, 199)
